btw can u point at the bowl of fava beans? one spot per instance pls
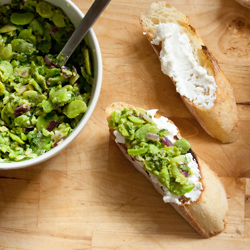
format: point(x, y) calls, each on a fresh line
point(44, 105)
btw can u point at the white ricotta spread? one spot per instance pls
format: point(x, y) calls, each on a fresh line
point(119, 138)
point(163, 123)
point(194, 194)
point(194, 178)
point(178, 62)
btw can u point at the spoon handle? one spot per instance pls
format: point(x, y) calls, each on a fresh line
point(86, 23)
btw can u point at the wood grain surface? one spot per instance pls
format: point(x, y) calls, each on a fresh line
point(89, 196)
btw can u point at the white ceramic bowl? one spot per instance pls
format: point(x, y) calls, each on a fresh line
point(75, 15)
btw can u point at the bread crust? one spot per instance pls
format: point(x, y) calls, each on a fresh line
point(207, 215)
point(245, 3)
point(220, 121)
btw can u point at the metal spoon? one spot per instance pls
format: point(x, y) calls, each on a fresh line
point(86, 23)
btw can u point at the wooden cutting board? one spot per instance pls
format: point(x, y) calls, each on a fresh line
point(89, 196)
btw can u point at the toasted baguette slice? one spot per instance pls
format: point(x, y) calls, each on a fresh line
point(221, 120)
point(207, 214)
point(245, 3)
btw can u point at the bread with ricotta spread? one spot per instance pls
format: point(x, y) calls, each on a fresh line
point(205, 205)
point(193, 69)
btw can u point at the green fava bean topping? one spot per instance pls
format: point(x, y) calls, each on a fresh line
point(41, 101)
point(146, 143)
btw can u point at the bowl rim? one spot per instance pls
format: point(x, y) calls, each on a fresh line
point(92, 104)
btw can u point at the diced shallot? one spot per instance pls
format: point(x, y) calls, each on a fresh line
point(20, 110)
point(61, 139)
point(65, 75)
point(54, 30)
point(64, 67)
point(185, 173)
point(152, 137)
point(167, 142)
point(25, 73)
point(147, 118)
point(52, 125)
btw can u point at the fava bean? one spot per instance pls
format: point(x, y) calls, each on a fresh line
point(21, 46)
point(7, 28)
point(33, 96)
point(36, 26)
point(2, 89)
point(61, 96)
point(87, 60)
point(35, 85)
point(52, 72)
point(27, 35)
point(24, 137)
point(44, 121)
point(138, 151)
point(136, 119)
point(56, 80)
point(75, 108)
point(16, 138)
point(40, 80)
point(6, 52)
point(44, 9)
point(5, 148)
point(74, 78)
point(2, 141)
point(48, 106)
point(5, 113)
point(35, 92)
point(45, 143)
point(41, 123)
point(58, 20)
point(6, 70)
point(21, 18)
point(21, 121)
